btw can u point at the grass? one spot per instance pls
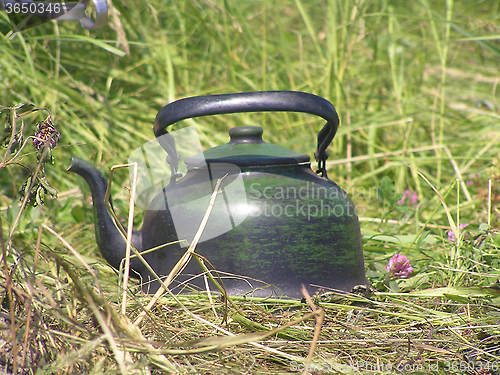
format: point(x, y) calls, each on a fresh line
point(415, 85)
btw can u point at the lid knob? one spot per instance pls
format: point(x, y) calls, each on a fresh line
point(246, 134)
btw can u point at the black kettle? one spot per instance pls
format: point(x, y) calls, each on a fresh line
point(276, 223)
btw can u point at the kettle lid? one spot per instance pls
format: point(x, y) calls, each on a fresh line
point(247, 148)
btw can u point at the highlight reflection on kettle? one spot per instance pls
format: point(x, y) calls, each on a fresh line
point(276, 224)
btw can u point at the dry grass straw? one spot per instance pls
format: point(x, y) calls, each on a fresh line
point(130, 224)
point(181, 264)
point(80, 327)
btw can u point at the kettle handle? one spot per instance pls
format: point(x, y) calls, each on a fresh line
point(261, 101)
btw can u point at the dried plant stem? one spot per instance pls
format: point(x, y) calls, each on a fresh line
point(121, 358)
point(320, 314)
point(130, 224)
point(261, 336)
point(30, 291)
point(185, 258)
point(129, 239)
point(10, 299)
point(74, 252)
point(209, 294)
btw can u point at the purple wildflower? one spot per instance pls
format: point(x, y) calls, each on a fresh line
point(399, 267)
point(451, 235)
point(44, 131)
point(412, 198)
point(472, 178)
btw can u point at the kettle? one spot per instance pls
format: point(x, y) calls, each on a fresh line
point(276, 223)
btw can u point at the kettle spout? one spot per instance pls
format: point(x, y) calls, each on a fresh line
point(109, 239)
